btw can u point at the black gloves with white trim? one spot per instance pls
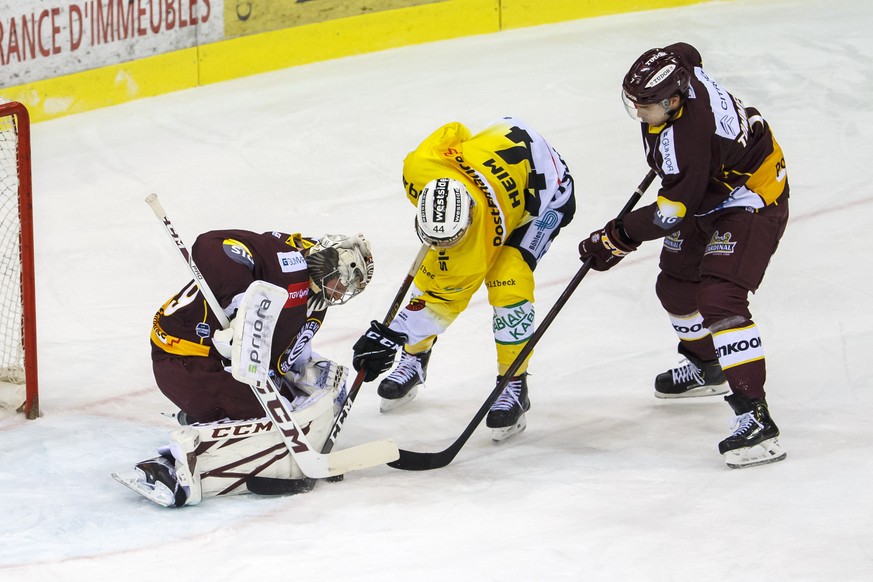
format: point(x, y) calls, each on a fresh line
point(375, 350)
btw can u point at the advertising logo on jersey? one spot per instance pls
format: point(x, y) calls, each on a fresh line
point(203, 330)
point(298, 293)
point(720, 244)
point(238, 252)
point(667, 149)
point(673, 242)
point(291, 261)
point(537, 239)
point(668, 213)
point(415, 305)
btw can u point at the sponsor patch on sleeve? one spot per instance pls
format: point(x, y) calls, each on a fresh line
point(291, 261)
point(238, 252)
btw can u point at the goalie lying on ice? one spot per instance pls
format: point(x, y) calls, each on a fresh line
point(230, 436)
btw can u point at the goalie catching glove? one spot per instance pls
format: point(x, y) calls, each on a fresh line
point(607, 246)
point(375, 350)
point(319, 374)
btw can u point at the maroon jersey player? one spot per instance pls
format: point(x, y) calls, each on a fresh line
point(189, 359)
point(721, 210)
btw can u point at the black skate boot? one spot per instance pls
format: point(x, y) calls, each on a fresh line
point(402, 384)
point(755, 439)
point(695, 378)
point(185, 419)
point(506, 416)
point(155, 479)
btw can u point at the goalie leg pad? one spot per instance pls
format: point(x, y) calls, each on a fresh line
point(225, 454)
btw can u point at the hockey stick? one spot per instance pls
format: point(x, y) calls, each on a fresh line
point(275, 486)
point(415, 461)
point(312, 463)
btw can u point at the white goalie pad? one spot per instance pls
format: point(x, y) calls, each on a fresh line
point(216, 458)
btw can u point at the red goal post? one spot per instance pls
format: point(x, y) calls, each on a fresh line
point(18, 369)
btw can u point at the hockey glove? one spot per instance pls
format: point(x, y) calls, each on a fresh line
point(374, 351)
point(320, 374)
point(607, 246)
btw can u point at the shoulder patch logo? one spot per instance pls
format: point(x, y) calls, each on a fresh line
point(238, 252)
point(291, 261)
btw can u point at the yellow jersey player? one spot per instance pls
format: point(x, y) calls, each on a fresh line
point(489, 205)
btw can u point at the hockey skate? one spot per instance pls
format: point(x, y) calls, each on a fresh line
point(401, 385)
point(755, 437)
point(155, 479)
point(694, 378)
point(507, 414)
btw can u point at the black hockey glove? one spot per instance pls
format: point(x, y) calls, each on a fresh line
point(607, 246)
point(375, 350)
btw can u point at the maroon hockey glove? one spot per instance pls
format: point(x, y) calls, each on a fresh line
point(607, 246)
point(375, 350)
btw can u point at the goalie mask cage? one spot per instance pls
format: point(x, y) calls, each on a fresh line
point(18, 370)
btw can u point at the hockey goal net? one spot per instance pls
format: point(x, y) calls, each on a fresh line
point(18, 371)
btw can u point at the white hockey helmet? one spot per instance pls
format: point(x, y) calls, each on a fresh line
point(340, 266)
point(445, 212)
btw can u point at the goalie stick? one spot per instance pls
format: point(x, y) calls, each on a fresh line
point(312, 463)
point(274, 486)
point(418, 461)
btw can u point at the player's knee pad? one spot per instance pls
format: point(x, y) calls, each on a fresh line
point(420, 319)
point(718, 300)
point(676, 295)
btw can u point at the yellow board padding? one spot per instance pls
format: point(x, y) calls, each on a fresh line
point(106, 86)
point(521, 13)
point(376, 31)
point(423, 21)
point(246, 18)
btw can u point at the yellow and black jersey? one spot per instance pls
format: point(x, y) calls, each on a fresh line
point(510, 171)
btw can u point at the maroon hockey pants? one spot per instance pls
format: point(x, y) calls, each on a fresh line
point(201, 388)
point(710, 266)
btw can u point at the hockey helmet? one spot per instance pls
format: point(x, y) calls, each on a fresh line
point(655, 77)
point(445, 212)
point(340, 266)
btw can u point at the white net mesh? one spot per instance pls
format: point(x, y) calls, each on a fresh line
point(11, 347)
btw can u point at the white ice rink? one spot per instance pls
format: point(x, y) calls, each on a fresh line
point(607, 483)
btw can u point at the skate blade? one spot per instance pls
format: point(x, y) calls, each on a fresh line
point(387, 405)
point(717, 390)
point(498, 435)
point(158, 493)
point(764, 453)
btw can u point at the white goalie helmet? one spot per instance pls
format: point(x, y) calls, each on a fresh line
point(340, 266)
point(445, 212)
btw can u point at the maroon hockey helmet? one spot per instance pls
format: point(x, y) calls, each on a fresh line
point(657, 75)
